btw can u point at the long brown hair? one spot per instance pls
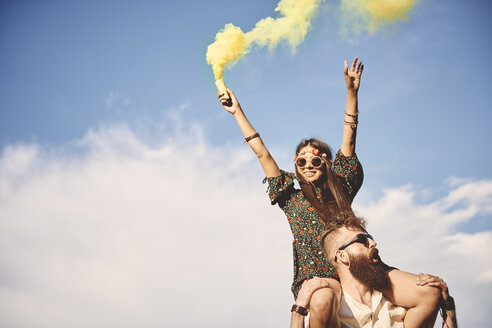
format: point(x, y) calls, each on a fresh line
point(333, 201)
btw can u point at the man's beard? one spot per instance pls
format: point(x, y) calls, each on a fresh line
point(371, 274)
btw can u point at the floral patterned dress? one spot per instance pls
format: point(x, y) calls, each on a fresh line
point(305, 223)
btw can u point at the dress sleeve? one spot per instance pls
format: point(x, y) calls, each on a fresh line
point(349, 171)
point(280, 187)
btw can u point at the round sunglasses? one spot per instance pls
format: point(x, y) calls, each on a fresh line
point(315, 161)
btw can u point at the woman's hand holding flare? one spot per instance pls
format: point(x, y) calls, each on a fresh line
point(353, 74)
point(230, 104)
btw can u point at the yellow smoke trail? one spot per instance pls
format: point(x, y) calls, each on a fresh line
point(372, 15)
point(231, 43)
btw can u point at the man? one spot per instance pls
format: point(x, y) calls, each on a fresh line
point(353, 253)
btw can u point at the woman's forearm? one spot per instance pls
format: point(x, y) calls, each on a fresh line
point(350, 124)
point(266, 160)
point(251, 136)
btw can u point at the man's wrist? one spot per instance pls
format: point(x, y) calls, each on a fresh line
point(299, 309)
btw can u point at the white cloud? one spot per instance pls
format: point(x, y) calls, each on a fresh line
point(112, 231)
point(114, 97)
point(123, 234)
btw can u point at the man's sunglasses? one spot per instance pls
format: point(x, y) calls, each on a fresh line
point(316, 161)
point(362, 238)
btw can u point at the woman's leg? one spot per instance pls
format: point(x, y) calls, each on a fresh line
point(421, 301)
point(324, 306)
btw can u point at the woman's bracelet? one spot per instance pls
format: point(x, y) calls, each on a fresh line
point(353, 125)
point(355, 117)
point(352, 115)
point(299, 309)
point(251, 137)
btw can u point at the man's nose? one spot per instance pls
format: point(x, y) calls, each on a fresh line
point(372, 243)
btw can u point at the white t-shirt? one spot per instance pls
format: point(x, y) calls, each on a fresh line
point(383, 313)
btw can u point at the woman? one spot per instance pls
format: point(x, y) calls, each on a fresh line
point(327, 189)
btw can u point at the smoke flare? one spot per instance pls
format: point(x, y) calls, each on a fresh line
point(372, 15)
point(231, 43)
point(292, 25)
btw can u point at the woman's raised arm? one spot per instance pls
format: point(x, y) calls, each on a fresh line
point(251, 136)
point(352, 80)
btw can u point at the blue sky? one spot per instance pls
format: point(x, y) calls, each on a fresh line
point(81, 82)
point(423, 91)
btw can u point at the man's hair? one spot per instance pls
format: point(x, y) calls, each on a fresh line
point(330, 237)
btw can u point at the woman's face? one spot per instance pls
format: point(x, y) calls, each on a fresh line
point(308, 172)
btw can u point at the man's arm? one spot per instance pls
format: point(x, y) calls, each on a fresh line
point(303, 298)
point(448, 308)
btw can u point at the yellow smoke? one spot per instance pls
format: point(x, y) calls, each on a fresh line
point(231, 43)
point(372, 15)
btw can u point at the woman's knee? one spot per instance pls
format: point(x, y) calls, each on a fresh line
point(324, 301)
point(430, 295)
point(407, 293)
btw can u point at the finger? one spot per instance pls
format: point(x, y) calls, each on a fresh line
point(425, 281)
point(430, 280)
point(361, 69)
point(424, 275)
point(345, 68)
point(223, 98)
point(358, 67)
point(315, 282)
point(353, 64)
point(232, 95)
point(434, 284)
point(318, 285)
